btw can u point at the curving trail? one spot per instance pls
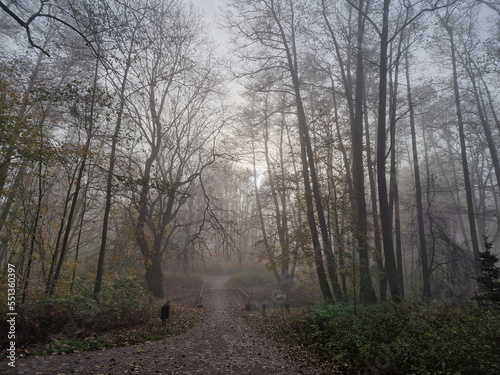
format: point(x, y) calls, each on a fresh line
point(222, 343)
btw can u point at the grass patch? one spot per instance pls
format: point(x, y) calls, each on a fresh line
point(76, 345)
point(252, 279)
point(409, 338)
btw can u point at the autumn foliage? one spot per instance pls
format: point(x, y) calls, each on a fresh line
point(127, 314)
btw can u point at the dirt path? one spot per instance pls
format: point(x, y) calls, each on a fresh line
point(222, 343)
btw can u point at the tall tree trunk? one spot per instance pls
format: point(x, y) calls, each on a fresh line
point(154, 275)
point(367, 292)
point(277, 211)
point(418, 190)
point(379, 258)
point(346, 80)
point(79, 179)
point(298, 213)
point(308, 165)
point(34, 230)
point(285, 265)
point(385, 212)
point(151, 260)
point(463, 148)
point(338, 225)
point(394, 190)
point(430, 249)
point(267, 248)
point(455, 194)
point(9, 208)
point(151, 252)
point(493, 148)
point(60, 232)
point(69, 223)
point(109, 178)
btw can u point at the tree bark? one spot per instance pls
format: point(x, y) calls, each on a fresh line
point(267, 248)
point(463, 153)
point(377, 240)
point(394, 189)
point(111, 169)
point(308, 169)
point(79, 179)
point(484, 122)
point(277, 211)
point(367, 292)
point(385, 213)
point(426, 290)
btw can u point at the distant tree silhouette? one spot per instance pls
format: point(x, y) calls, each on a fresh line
point(489, 283)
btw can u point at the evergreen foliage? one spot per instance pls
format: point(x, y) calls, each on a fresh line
point(407, 338)
point(489, 283)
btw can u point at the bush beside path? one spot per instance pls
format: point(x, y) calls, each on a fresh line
point(221, 343)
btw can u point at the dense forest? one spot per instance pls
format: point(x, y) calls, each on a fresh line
point(352, 142)
point(350, 146)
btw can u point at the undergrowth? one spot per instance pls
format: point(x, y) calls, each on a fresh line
point(73, 322)
point(408, 338)
point(252, 279)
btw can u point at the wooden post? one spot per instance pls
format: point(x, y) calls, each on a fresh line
point(200, 304)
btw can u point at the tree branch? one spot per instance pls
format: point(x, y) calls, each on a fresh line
point(38, 14)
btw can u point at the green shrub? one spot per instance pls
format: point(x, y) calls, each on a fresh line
point(410, 338)
point(251, 279)
point(124, 303)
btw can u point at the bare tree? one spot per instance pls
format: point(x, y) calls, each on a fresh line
point(26, 17)
point(446, 22)
point(126, 45)
point(174, 81)
point(418, 188)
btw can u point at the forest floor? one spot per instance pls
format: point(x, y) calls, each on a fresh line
point(223, 342)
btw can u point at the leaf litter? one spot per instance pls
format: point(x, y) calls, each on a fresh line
point(222, 342)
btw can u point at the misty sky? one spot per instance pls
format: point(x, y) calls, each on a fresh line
point(211, 8)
